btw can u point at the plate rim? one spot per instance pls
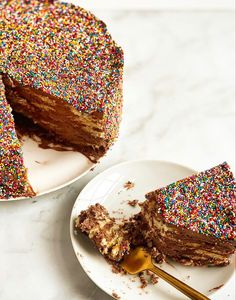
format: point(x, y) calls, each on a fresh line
point(91, 182)
point(57, 188)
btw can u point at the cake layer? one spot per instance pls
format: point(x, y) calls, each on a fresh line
point(77, 129)
point(13, 174)
point(181, 244)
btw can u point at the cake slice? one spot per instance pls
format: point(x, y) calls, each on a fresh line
point(13, 174)
point(193, 221)
point(111, 239)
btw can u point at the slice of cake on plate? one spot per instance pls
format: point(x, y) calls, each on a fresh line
point(193, 220)
point(110, 238)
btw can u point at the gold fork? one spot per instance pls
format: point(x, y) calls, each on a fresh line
point(139, 260)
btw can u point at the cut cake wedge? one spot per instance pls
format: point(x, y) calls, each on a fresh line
point(193, 220)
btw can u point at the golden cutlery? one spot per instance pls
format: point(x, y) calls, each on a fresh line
point(139, 260)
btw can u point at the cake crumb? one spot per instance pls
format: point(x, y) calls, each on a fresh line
point(153, 278)
point(133, 203)
point(116, 268)
point(216, 288)
point(157, 256)
point(114, 295)
point(146, 278)
point(128, 185)
point(143, 280)
point(119, 212)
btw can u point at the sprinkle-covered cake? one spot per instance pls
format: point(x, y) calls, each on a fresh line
point(62, 70)
point(13, 175)
point(194, 220)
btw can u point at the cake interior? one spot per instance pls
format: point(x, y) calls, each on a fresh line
point(82, 131)
point(183, 245)
point(148, 229)
point(111, 238)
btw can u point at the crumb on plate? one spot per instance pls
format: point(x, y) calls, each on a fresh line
point(114, 295)
point(128, 185)
point(133, 203)
point(143, 280)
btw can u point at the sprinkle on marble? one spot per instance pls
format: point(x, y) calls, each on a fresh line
point(204, 202)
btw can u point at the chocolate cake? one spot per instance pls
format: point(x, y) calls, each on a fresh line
point(110, 238)
point(193, 220)
point(62, 70)
point(13, 175)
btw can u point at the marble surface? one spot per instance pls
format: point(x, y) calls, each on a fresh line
point(179, 106)
point(158, 4)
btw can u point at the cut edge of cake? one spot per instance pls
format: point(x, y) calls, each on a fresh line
point(193, 220)
point(111, 238)
point(13, 174)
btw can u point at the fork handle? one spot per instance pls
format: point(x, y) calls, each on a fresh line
point(179, 285)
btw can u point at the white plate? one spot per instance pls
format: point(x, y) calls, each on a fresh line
point(107, 189)
point(50, 170)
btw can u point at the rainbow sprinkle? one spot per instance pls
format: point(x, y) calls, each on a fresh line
point(64, 51)
point(13, 177)
point(204, 203)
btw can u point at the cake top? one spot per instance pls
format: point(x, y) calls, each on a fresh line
point(204, 202)
point(13, 178)
point(62, 50)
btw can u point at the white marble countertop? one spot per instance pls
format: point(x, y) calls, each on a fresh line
point(179, 106)
point(157, 4)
